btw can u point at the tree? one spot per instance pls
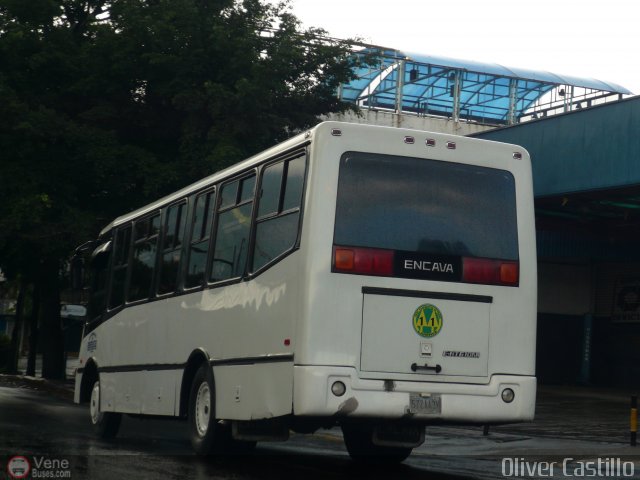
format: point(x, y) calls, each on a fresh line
point(105, 106)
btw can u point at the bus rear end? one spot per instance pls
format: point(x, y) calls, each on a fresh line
point(420, 305)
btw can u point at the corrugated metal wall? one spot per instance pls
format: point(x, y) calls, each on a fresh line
point(589, 149)
point(608, 275)
point(593, 149)
point(571, 244)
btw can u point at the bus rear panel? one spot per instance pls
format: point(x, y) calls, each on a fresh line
point(422, 283)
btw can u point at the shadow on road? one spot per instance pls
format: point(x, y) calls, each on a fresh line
point(265, 464)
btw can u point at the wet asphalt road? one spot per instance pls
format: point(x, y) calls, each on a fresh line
point(34, 424)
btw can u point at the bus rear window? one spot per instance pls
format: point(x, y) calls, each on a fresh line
point(427, 206)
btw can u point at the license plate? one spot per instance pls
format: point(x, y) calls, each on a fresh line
point(425, 405)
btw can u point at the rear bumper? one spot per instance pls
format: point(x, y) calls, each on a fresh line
point(461, 403)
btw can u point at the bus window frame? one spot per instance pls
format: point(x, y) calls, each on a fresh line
point(108, 310)
point(106, 246)
point(300, 209)
point(162, 243)
point(151, 295)
point(193, 201)
point(252, 172)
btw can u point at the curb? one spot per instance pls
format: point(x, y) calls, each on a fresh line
point(58, 388)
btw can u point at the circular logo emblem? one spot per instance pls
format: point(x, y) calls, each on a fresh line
point(18, 467)
point(427, 320)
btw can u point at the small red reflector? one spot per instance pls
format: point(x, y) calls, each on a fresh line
point(287, 342)
point(409, 140)
point(430, 142)
point(366, 261)
point(451, 145)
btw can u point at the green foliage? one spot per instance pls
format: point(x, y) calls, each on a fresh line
point(105, 106)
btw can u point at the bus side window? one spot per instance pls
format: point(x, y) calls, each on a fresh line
point(202, 220)
point(120, 264)
point(234, 227)
point(279, 211)
point(99, 269)
point(172, 248)
point(144, 257)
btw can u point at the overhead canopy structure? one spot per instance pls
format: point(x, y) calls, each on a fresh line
point(474, 91)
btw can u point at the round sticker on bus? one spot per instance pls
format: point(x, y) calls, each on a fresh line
point(427, 320)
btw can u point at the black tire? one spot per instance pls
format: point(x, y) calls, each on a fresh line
point(204, 432)
point(359, 442)
point(105, 424)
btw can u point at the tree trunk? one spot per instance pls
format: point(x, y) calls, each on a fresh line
point(12, 367)
point(52, 339)
point(33, 331)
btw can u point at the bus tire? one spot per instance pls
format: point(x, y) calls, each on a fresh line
point(359, 442)
point(105, 424)
point(203, 430)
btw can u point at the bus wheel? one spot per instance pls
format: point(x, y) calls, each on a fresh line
point(202, 422)
point(105, 424)
point(359, 442)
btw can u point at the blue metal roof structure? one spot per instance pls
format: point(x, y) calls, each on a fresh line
point(441, 86)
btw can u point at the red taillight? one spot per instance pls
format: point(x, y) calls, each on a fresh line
point(493, 272)
point(343, 259)
point(366, 261)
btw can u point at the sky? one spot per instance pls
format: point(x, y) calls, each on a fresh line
point(587, 38)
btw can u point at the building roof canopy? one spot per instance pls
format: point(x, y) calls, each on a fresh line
point(433, 85)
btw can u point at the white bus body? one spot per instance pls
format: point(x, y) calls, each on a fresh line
point(371, 304)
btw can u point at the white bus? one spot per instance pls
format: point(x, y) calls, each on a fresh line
point(377, 279)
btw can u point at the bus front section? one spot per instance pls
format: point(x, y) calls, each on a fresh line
point(422, 300)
